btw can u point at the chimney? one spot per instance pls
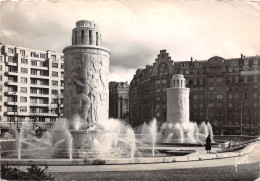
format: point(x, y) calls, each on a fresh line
point(191, 59)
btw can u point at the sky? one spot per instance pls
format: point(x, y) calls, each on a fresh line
point(135, 31)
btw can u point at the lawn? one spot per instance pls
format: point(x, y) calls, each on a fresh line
point(247, 172)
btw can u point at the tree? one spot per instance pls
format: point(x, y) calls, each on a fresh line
point(58, 109)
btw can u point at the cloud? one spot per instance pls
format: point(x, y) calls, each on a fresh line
point(136, 31)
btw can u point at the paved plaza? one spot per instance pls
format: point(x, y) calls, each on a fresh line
point(217, 169)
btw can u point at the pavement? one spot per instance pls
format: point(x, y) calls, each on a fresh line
point(252, 157)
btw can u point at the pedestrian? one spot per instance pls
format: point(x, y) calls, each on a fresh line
point(208, 146)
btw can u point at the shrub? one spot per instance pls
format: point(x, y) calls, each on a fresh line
point(34, 173)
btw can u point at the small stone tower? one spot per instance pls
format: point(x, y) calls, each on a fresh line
point(86, 74)
point(178, 110)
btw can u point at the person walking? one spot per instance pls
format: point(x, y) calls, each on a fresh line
point(208, 145)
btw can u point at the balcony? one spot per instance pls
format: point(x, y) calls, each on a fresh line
point(10, 113)
point(10, 93)
point(14, 73)
point(40, 67)
point(39, 95)
point(9, 103)
point(39, 86)
point(40, 104)
point(14, 83)
point(39, 76)
point(11, 63)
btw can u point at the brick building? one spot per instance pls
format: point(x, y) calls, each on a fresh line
point(224, 92)
point(119, 100)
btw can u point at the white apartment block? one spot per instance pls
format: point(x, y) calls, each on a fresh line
point(31, 84)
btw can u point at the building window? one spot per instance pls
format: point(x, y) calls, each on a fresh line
point(23, 99)
point(24, 61)
point(246, 61)
point(233, 62)
point(54, 92)
point(23, 89)
point(219, 96)
point(10, 51)
point(236, 69)
point(255, 61)
point(211, 96)
point(34, 81)
point(230, 105)
point(55, 83)
point(33, 63)
point(44, 73)
point(200, 81)
point(42, 55)
point(187, 71)
point(219, 79)
point(33, 72)
point(55, 65)
point(33, 91)
point(11, 59)
point(220, 87)
point(211, 80)
point(211, 88)
point(23, 80)
point(24, 70)
point(230, 69)
point(1, 59)
point(230, 96)
point(62, 66)
point(22, 52)
point(1, 68)
point(1, 78)
point(236, 79)
point(54, 74)
point(23, 109)
point(53, 57)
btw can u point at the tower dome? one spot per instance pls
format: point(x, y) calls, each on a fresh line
point(86, 33)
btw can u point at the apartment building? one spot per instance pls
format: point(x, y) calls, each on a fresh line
point(31, 85)
point(225, 92)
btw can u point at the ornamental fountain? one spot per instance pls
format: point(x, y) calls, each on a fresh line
point(86, 132)
point(178, 127)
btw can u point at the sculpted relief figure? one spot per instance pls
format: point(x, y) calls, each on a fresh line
point(83, 91)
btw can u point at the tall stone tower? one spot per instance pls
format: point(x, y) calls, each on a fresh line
point(86, 75)
point(178, 109)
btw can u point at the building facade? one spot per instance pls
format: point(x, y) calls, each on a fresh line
point(31, 85)
point(119, 100)
point(224, 92)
